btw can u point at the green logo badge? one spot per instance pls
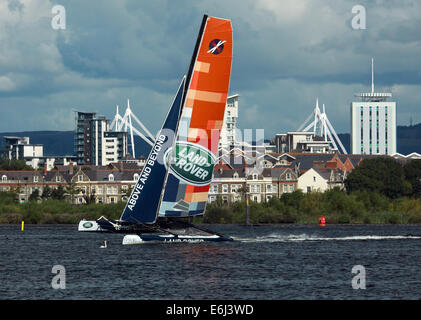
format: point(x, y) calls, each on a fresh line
point(191, 163)
point(87, 225)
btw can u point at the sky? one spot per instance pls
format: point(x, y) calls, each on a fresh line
point(286, 55)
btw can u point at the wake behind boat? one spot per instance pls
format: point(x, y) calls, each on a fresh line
point(174, 183)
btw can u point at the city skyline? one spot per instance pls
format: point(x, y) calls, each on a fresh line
point(286, 55)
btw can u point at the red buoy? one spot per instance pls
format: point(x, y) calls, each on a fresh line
point(322, 221)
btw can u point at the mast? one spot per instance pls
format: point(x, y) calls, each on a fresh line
point(194, 57)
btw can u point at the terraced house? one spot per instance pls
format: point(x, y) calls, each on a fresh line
point(271, 175)
point(275, 174)
point(102, 184)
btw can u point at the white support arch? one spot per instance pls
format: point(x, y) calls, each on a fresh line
point(125, 123)
point(322, 127)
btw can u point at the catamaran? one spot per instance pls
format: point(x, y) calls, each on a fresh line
point(174, 183)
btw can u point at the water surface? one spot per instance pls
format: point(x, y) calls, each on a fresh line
point(267, 262)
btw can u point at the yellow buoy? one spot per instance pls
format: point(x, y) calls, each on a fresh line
point(23, 223)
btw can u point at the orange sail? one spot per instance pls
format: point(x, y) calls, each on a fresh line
point(194, 153)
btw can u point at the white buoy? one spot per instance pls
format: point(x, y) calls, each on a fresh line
point(105, 244)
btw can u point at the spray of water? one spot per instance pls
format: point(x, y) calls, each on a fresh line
point(274, 237)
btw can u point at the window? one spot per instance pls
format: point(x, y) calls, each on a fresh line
point(252, 188)
point(254, 176)
point(274, 188)
point(99, 199)
point(291, 188)
point(215, 188)
point(35, 178)
point(258, 188)
point(285, 188)
point(314, 179)
point(3, 178)
point(308, 189)
point(269, 188)
point(99, 190)
point(288, 176)
point(58, 178)
point(224, 188)
point(108, 189)
point(135, 177)
point(110, 177)
point(225, 199)
point(79, 178)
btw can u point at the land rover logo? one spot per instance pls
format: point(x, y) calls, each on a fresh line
point(192, 163)
point(87, 225)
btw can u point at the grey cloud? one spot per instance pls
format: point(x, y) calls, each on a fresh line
point(286, 53)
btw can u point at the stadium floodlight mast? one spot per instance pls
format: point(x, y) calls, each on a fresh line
point(322, 126)
point(125, 123)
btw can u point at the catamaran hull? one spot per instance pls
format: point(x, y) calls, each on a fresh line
point(107, 225)
point(89, 226)
point(147, 238)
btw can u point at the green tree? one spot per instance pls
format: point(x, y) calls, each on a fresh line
point(13, 164)
point(413, 174)
point(292, 199)
point(58, 193)
point(384, 175)
point(34, 195)
point(46, 193)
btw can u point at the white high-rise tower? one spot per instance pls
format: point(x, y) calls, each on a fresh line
point(229, 127)
point(373, 122)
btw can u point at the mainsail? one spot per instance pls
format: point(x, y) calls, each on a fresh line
point(190, 172)
point(142, 206)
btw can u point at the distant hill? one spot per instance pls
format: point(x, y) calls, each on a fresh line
point(60, 143)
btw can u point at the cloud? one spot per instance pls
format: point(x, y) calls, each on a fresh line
point(6, 84)
point(286, 54)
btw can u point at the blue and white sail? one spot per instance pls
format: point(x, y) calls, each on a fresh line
point(142, 206)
